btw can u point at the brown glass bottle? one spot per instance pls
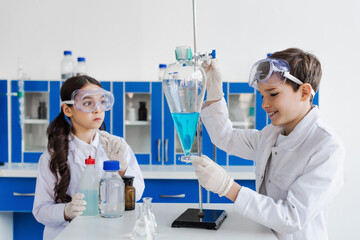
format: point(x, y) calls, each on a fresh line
point(129, 193)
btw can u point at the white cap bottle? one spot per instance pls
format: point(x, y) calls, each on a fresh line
point(67, 66)
point(81, 68)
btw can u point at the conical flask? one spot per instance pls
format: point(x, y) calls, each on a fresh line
point(143, 227)
point(184, 85)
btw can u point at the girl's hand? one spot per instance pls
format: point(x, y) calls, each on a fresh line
point(74, 208)
point(115, 148)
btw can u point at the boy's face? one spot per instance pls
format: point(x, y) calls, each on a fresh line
point(284, 106)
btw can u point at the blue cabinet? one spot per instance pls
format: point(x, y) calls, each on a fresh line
point(34, 127)
point(4, 142)
point(173, 190)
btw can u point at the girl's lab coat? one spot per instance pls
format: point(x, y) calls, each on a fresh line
point(306, 172)
point(51, 214)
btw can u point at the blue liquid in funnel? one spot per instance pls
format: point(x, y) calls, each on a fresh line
point(185, 124)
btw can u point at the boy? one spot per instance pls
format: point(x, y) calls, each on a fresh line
point(299, 160)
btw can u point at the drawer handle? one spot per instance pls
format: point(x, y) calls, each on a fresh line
point(23, 194)
point(173, 196)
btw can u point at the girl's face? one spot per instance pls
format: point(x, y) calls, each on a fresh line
point(284, 106)
point(83, 121)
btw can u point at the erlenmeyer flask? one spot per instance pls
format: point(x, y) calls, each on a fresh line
point(150, 215)
point(184, 84)
point(142, 228)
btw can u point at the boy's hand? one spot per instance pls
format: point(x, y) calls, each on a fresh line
point(115, 148)
point(214, 80)
point(211, 176)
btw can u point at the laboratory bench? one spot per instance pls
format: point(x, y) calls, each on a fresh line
point(234, 226)
point(164, 183)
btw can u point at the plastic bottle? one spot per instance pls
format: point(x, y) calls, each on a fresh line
point(162, 68)
point(129, 193)
point(67, 66)
point(81, 68)
point(89, 186)
point(112, 191)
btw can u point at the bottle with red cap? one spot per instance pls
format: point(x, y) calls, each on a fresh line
point(89, 186)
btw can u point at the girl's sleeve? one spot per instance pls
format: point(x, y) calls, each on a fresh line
point(45, 210)
point(135, 171)
point(239, 142)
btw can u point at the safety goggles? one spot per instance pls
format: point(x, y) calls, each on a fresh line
point(262, 71)
point(89, 100)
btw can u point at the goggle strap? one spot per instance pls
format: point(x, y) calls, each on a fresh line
point(67, 102)
point(296, 80)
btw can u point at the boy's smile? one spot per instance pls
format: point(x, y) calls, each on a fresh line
point(284, 106)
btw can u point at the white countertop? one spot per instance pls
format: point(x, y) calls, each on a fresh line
point(149, 171)
point(234, 226)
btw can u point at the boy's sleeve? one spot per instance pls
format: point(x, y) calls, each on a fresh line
point(309, 195)
point(239, 142)
point(45, 210)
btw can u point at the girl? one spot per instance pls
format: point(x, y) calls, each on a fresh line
point(70, 142)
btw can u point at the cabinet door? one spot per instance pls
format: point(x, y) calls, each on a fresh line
point(139, 119)
point(173, 191)
point(17, 194)
point(35, 124)
point(107, 120)
point(4, 147)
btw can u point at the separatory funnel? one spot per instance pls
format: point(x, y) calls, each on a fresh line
point(184, 84)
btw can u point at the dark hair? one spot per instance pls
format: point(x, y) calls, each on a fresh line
point(304, 66)
point(58, 139)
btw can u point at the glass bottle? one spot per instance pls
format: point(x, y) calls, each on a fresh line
point(112, 191)
point(147, 209)
point(129, 193)
point(42, 111)
point(67, 66)
point(89, 186)
point(81, 68)
point(142, 111)
point(161, 72)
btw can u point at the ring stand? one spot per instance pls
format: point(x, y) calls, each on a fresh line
point(211, 219)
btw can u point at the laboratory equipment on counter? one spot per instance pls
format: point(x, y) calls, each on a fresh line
point(67, 66)
point(184, 86)
point(112, 191)
point(89, 186)
point(129, 193)
point(145, 227)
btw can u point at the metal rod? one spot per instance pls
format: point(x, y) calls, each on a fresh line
point(199, 128)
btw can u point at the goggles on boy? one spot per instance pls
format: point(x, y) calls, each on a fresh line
point(265, 68)
point(90, 99)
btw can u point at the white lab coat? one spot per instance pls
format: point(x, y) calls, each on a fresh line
point(306, 172)
point(51, 214)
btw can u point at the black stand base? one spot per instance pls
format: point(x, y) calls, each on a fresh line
point(212, 219)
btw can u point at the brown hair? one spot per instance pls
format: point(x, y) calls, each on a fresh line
point(58, 139)
point(304, 66)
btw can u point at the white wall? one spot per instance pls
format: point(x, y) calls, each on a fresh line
point(125, 40)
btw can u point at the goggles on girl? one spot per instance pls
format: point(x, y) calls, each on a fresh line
point(90, 99)
point(265, 68)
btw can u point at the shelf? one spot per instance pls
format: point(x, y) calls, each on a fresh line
point(36, 121)
point(137, 123)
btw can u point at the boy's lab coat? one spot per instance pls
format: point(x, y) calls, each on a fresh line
point(306, 172)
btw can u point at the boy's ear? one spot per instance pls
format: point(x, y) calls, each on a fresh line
point(305, 91)
point(67, 110)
